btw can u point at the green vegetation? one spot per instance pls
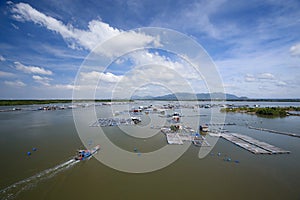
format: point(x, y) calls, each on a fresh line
point(263, 112)
point(271, 111)
point(31, 102)
point(174, 128)
point(51, 101)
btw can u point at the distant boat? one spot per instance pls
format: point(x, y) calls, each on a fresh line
point(136, 120)
point(85, 154)
point(203, 128)
point(72, 106)
point(207, 106)
point(176, 118)
point(62, 107)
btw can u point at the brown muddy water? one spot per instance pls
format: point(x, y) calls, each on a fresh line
point(50, 173)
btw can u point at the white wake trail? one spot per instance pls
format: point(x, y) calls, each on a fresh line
point(15, 189)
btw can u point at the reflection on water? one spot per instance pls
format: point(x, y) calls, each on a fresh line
point(54, 135)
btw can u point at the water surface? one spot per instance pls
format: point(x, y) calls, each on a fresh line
point(54, 135)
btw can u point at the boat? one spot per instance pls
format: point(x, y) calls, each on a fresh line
point(136, 120)
point(200, 141)
point(85, 154)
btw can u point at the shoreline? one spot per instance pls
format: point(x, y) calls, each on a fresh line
point(52, 101)
point(16, 102)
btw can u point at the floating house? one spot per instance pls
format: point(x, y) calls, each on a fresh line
point(203, 129)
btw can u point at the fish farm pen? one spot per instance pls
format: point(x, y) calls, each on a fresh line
point(252, 145)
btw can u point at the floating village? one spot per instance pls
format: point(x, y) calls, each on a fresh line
point(175, 131)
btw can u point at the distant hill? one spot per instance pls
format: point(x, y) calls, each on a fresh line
point(189, 96)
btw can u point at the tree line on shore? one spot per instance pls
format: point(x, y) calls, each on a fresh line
point(264, 111)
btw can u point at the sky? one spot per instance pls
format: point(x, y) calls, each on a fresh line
point(254, 44)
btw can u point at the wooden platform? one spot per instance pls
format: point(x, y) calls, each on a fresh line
point(252, 145)
point(173, 138)
point(274, 131)
point(180, 138)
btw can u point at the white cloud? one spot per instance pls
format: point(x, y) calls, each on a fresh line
point(200, 13)
point(42, 80)
point(64, 86)
point(195, 17)
point(32, 69)
point(157, 78)
point(183, 68)
point(251, 52)
point(249, 78)
point(120, 61)
point(149, 68)
point(15, 26)
point(94, 76)
point(2, 58)
point(281, 83)
point(127, 42)
point(15, 83)
point(24, 12)
point(295, 50)
point(151, 75)
point(266, 76)
point(6, 74)
point(229, 85)
point(97, 32)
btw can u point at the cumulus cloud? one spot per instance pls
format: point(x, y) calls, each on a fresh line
point(266, 81)
point(261, 77)
point(127, 42)
point(24, 12)
point(42, 80)
point(151, 75)
point(249, 78)
point(32, 69)
point(266, 76)
point(144, 65)
point(2, 58)
point(183, 68)
point(281, 83)
point(167, 73)
point(295, 50)
point(64, 86)
point(149, 68)
point(14, 83)
point(97, 32)
point(94, 76)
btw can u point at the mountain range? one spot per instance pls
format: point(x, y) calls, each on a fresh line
point(190, 96)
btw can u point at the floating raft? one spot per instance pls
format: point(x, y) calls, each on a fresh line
point(221, 124)
point(179, 138)
point(273, 131)
point(252, 145)
point(185, 137)
point(200, 142)
point(173, 138)
point(104, 122)
point(263, 145)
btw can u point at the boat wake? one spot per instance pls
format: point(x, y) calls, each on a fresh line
point(15, 189)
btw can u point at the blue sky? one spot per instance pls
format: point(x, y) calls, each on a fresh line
point(254, 44)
